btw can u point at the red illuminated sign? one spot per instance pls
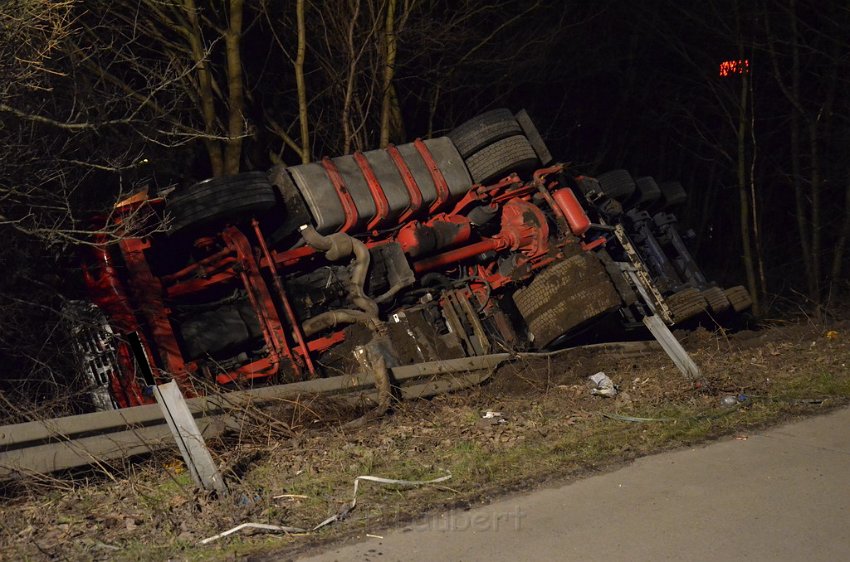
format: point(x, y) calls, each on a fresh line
point(730, 67)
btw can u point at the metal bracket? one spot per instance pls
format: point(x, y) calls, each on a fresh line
point(641, 278)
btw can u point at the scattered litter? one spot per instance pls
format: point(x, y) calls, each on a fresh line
point(729, 401)
point(815, 401)
point(245, 500)
point(741, 437)
point(707, 416)
point(374, 536)
point(262, 526)
point(494, 417)
point(634, 419)
point(290, 497)
point(604, 385)
point(175, 466)
point(832, 335)
point(342, 514)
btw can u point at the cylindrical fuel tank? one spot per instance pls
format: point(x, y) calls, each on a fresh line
point(573, 211)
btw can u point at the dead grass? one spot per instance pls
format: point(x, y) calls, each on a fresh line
point(553, 431)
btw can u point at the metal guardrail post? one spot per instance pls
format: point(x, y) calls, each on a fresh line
point(189, 440)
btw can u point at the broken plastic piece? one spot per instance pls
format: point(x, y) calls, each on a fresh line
point(342, 514)
point(604, 385)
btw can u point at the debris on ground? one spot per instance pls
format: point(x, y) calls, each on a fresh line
point(341, 515)
point(604, 385)
point(556, 432)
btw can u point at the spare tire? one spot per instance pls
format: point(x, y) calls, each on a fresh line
point(566, 296)
point(220, 198)
point(484, 130)
point(617, 184)
point(513, 154)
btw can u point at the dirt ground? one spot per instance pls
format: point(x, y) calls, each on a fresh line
point(299, 468)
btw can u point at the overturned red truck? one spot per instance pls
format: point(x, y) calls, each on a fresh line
point(441, 248)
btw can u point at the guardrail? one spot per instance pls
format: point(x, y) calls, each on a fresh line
point(73, 441)
point(100, 437)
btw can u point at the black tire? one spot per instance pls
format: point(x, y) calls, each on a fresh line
point(617, 184)
point(716, 299)
point(686, 304)
point(484, 130)
point(672, 194)
point(564, 297)
point(647, 191)
point(534, 137)
point(739, 297)
point(513, 154)
point(220, 198)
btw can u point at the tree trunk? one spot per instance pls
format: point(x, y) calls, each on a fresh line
point(744, 196)
point(235, 91)
point(841, 244)
point(815, 224)
point(300, 84)
point(797, 115)
point(204, 88)
point(348, 98)
point(388, 99)
point(754, 202)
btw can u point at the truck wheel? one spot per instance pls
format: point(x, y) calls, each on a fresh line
point(566, 296)
point(672, 194)
point(513, 154)
point(647, 191)
point(483, 130)
point(739, 297)
point(617, 184)
point(716, 299)
point(686, 304)
point(219, 198)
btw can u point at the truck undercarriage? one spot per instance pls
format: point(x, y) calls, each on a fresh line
point(450, 247)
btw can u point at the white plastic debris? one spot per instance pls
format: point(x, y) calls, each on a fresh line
point(604, 385)
point(495, 418)
point(343, 513)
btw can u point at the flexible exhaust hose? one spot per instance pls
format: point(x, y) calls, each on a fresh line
point(333, 318)
point(337, 246)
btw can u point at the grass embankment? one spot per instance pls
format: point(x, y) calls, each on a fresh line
point(551, 430)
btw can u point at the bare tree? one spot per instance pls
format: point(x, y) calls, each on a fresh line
point(815, 45)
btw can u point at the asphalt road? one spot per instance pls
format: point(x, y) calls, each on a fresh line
point(780, 494)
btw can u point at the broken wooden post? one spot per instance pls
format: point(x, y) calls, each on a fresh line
point(189, 440)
